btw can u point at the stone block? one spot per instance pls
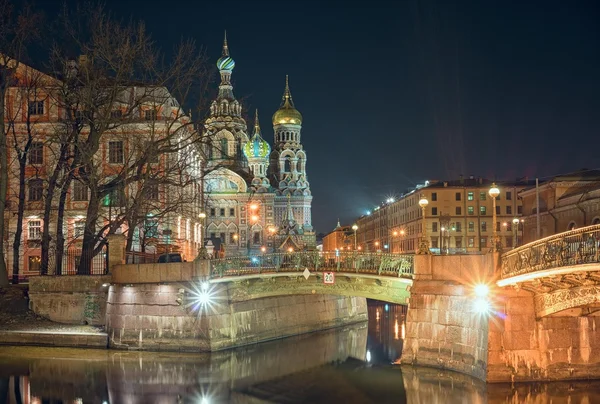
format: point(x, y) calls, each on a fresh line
point(562, 338)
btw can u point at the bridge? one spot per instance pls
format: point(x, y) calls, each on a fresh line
point(563, 271)
point(385, 277)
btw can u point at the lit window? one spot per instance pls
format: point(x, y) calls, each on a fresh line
point(482, 196)
point(34, 230)
point(483, 226)
point(471, 226)
point(34, 263)
point(470, 196)
point(78, 228)
point(482, 210)
point(470, 210)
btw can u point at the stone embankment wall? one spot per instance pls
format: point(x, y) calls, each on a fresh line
point(441, 328)
point(149, 317)
point(562, 346)
point(70, 299)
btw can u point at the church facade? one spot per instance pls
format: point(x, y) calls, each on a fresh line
point(256, 196)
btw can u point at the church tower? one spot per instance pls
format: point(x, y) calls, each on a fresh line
point(288, 166)
point(257, 152)
point(225, 126)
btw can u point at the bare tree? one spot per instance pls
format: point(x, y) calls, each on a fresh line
point(28, 97)
point(16, 30)
point(119, 89)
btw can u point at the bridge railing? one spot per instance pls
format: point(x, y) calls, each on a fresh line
point(575, 247)
point(393, 265)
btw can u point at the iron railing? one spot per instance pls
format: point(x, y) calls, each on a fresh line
point(70, 263)
point(570, 248)
point(393, 265)
point(137, 257)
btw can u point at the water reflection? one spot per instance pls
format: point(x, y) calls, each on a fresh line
point(327, 367)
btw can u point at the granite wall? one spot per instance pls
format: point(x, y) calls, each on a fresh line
point(73, 299)
point(562, 346)
point(167, 317)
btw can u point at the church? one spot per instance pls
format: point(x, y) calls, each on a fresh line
point(256, 197)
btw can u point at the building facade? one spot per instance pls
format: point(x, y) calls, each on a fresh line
point(166, 217)
point(458, 218)
point(340, 239)
point(257, 197)
point(566, 202)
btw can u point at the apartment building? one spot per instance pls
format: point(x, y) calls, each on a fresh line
point(458, 218)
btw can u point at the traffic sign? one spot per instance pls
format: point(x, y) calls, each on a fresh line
point(328, 278)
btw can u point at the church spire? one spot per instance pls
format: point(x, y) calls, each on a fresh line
point(286, 100)
point(256, 124)
point(225, 47)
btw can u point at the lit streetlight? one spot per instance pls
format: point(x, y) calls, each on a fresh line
point(494, 192)
point(516, 231)
point(354, 227)
point(424, 243)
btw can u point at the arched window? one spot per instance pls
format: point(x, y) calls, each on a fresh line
point(596, 220)
point(288, 165)
point(300, 164)
point(572, 226)
point(223, 146)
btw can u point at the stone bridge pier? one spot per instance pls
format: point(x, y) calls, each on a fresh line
point(442, 329)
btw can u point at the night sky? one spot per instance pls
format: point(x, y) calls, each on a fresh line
point(394, 93)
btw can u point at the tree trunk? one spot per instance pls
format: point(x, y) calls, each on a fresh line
point(46, 227)
point(89, 234)
point(3, 176)
point(17, 389)
point(60, 218)
point(20, 215)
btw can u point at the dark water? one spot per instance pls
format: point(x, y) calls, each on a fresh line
point(348, 365)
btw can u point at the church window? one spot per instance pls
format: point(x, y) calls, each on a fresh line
point(256, 237)
point(222, 212)
point(231, 211)
point(222, 237)
point(288, 165)
point(223, 145)
point(212, 212)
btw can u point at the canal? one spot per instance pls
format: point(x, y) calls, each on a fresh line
point(354, 364)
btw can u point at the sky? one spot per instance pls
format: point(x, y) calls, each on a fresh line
point(394, 93)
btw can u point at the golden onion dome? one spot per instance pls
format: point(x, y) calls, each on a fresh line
point(287, 113)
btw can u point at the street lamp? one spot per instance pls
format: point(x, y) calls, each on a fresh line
point(494, 192)
point(354, 227)
point(516, 231)
point(202, 252)
point(424, 243)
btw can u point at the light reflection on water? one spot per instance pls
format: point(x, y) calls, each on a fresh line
point(326, 367)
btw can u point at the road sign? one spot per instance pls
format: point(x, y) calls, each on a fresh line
point(328, 278)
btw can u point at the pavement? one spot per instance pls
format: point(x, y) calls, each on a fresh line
point(21, 326)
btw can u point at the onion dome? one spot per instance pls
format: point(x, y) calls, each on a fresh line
point(287, 113)
point(225, 62)
point(257, 147)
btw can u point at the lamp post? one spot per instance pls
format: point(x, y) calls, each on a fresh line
point(494, 192)
point(202, 252)
point(516, 231)
point(424, 243)
point(354, 227)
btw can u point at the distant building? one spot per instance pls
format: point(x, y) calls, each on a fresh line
point(341, 238)
point(566, 202)
point(458, 218)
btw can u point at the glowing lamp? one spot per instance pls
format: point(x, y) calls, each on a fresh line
point(395, 233)
point(354, 227)
point(290, 249)
point(494, 191)
point(263, 249)
point(253, 207)
point(515, 221)
point(202, 215)
point(482, 290)
point(254, 218)
point(423, 202)
point(205, 286)
point(481, 306)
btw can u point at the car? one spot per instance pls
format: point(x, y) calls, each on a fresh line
point(170, 257)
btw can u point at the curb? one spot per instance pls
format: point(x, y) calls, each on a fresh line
point(54, 339)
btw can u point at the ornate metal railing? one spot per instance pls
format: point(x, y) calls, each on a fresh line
point(392, 265)
point(570, 248)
